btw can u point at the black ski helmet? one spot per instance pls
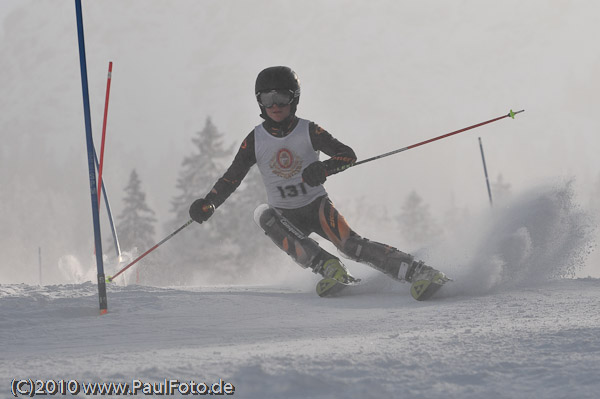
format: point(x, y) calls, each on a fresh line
point(278, 78)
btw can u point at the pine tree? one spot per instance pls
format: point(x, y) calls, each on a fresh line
point(198, 249)
point(136, 222)
point(200, 170)
point(415, 221)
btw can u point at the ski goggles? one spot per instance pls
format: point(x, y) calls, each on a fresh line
point(280, 98)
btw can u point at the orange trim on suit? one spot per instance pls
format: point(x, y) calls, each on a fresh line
point(333, 224)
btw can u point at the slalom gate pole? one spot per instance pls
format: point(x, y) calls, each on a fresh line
point(100, 165)
point(108, 211)
point(487, 181)
point(111, 278)
point(91, 167)
point(40, 263)
point(387, 154)
point(104, 129)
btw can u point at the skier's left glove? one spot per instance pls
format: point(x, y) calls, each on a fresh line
point(201, 210)
point(315, 174)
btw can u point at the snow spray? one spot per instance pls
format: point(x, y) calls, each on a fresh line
point(540, 235)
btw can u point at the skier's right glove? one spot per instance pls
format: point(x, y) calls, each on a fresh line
point(201, 210)
point(315, 174)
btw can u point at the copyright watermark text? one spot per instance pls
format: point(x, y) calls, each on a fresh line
point(28, 387)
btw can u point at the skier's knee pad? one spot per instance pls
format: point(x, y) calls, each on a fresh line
point(380, 256)
point(304, 250)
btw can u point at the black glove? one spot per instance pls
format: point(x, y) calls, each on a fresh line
point(314, 174)
point(201, 210)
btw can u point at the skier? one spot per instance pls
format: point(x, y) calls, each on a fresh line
point(286, 149)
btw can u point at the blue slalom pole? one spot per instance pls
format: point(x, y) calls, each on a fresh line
point(110, 218)
point(91, 167)
point(487, 180)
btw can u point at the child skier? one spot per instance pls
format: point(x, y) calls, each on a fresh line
point(286, 151)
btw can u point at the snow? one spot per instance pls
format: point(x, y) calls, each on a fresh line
point(513, 324)
point(269, 342)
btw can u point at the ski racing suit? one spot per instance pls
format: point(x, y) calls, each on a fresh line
point(296, 210)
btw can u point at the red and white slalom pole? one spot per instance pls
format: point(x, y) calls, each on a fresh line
point(104, 130)
point(100, 164)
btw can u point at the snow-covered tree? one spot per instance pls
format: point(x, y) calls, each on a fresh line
point(415, 221)
point(200, 170)
point(197, 249)
point(135, 224)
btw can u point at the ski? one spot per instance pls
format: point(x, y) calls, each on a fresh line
point(422, 290)
point(330, 287)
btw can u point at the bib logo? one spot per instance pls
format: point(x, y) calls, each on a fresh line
point(285, 163)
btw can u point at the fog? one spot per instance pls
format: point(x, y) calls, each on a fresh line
point(378, 75)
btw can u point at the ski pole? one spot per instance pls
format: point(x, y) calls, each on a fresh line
point(510, 114)
point(111, 278)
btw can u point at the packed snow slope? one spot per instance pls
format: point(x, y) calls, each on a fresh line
point(520, 343)
point(511, 325)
